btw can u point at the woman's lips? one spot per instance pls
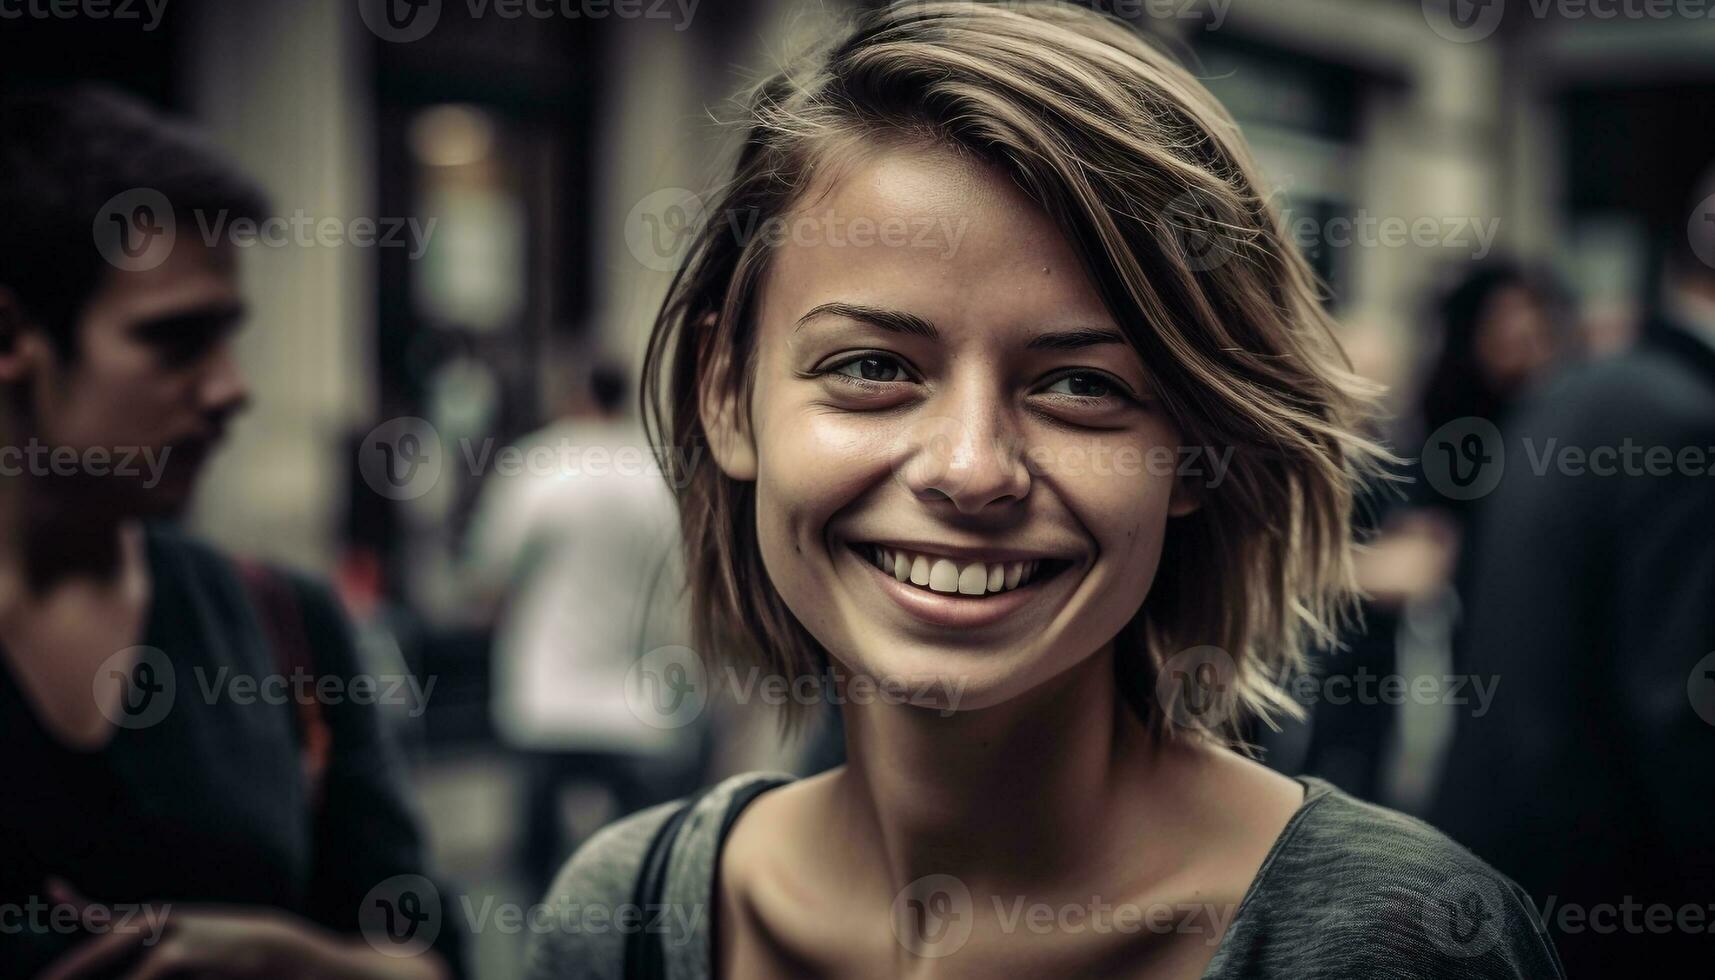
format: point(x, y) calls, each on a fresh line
point(953, 609)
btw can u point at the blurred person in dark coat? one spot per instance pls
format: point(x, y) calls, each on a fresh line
point(177, 801)
point(1497, 337)
point(1592, 600)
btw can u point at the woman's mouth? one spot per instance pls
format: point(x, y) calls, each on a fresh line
point(957, 592)
point(955, 576)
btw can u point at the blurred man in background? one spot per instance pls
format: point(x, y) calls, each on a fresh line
point(577, 529)
point(1592, 601)
point(172, 823)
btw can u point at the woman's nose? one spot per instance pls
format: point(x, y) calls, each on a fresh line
point(966, 452)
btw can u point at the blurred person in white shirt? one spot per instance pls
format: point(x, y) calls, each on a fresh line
point(576, 534)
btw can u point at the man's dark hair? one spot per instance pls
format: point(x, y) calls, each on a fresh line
point(64, 154)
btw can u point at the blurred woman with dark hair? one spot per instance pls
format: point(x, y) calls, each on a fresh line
point(1498, 335)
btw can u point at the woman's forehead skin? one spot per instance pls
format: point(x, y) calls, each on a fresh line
point(945, 238)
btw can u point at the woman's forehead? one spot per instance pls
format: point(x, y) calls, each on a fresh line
point(946, 238)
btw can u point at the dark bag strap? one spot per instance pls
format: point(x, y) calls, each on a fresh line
point(644, 960)
point(645, 956)
point(282, 620)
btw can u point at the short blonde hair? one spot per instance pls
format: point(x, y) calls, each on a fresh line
point(1149, 180)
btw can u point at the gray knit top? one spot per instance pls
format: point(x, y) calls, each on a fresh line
point(1349, 889)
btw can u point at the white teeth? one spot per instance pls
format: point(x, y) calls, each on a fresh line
point(944, 576)
point(919, 571)
point(949, 576)
point(973, 579)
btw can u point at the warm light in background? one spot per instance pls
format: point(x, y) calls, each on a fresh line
point(451, 136)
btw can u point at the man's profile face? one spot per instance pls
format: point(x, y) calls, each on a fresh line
point(153, 382)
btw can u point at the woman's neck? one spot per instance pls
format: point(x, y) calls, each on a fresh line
point(1020, 790)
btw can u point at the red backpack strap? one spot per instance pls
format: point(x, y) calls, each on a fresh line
point(282, 620)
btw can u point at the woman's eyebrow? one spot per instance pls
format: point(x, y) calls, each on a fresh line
point(1074, 339)
point(897, 321)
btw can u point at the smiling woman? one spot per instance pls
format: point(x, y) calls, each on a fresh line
point(941, 464)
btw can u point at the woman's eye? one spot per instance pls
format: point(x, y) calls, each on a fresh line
point(1084, 385)
point(871, 368)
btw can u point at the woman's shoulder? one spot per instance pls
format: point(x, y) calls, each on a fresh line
point(593, 906)
point(1352, 887)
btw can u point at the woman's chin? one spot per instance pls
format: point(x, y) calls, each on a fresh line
point(944, 680)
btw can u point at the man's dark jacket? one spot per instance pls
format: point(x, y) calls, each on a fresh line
point(1591, 779)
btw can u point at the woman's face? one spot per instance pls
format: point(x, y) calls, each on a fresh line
point(1514, 340)
point(962, 475)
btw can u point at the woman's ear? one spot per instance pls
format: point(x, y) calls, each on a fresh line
point(1185, 499)
point(725, 421)
point(1190, 483)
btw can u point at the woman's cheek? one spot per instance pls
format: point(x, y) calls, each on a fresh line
point(820, 460)
point(812, 463)
point(1121, 491)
